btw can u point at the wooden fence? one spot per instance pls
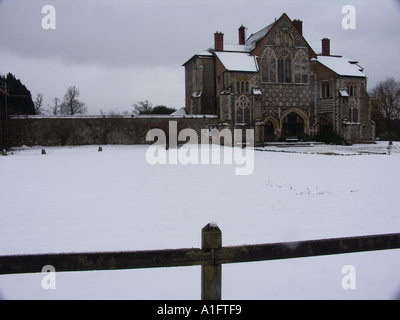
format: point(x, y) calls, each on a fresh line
point(211, 256)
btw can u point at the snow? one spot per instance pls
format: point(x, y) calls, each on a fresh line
point(340, 65)
point(213, 224)
point(236, 47)
point(76, 199)
point(179, 112)
point(204, 53)
point(237, 61)
point(197, 94)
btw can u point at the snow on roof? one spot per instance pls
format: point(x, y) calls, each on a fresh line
point(340, 65)
point(236, 47)
point(251, 41)
point(237, 61)
point(179, 112)
point(204, 53)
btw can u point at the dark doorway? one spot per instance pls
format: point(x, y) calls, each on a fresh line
point(324, 126)
point(292, 125)
point(269, 131)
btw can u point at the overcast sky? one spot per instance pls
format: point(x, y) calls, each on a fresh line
point(120, 52)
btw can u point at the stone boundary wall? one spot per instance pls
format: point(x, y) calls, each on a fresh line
point(55, 131)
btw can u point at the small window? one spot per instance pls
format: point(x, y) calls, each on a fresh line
point(326, 92)
point(352, 90)
point(242, 86)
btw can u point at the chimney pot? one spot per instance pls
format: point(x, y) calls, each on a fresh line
point(326, 47)
point(242, 35)
point(298, 24)
point(218, 41)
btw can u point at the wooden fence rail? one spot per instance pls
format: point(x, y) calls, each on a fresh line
point(211, 256)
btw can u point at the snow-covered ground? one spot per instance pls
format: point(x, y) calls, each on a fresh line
point(76, 199)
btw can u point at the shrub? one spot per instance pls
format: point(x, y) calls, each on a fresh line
point(330, 138)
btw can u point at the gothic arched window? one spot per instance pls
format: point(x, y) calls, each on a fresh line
point(268, 66)
point(300, 67)
point(284, 67)
point(243, 111)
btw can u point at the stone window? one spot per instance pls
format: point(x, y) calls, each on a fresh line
point(301, 67)
point(268, 66)
point(353, 115)
point(284, 67)
point(352, 89)
point(242, 86)
point(243, 111)
point(325, 90)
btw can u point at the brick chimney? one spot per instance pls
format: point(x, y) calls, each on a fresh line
point(326, 47)
point(298, 24)
point(218, 41)
point(242, 35)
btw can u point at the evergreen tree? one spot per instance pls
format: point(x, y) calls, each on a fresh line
point(162, 110)
point(19, 99)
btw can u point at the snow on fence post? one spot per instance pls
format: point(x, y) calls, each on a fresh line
point(211, 239)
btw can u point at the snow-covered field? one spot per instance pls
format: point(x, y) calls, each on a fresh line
point(76, 199)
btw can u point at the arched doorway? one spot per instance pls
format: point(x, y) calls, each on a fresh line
point(269, 131)
point(292, 125)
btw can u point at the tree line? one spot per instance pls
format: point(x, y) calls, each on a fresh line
point(20, 102)
point(385, 103)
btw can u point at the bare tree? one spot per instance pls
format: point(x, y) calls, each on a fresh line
point(55, 109)
point(38, 103)
point(385, 99)
point(71, 104)
point(142, 107)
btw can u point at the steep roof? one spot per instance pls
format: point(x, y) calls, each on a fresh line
point(259, 35)
point(205, 53)
point(341, 66)
point(255, 39)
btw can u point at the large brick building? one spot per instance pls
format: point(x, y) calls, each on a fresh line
point(275, 83)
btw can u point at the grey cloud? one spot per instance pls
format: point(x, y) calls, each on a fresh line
point(146, 34)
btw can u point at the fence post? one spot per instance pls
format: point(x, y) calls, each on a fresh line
point(211, 239)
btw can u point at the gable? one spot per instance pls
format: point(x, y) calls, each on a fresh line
point(280, 33)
